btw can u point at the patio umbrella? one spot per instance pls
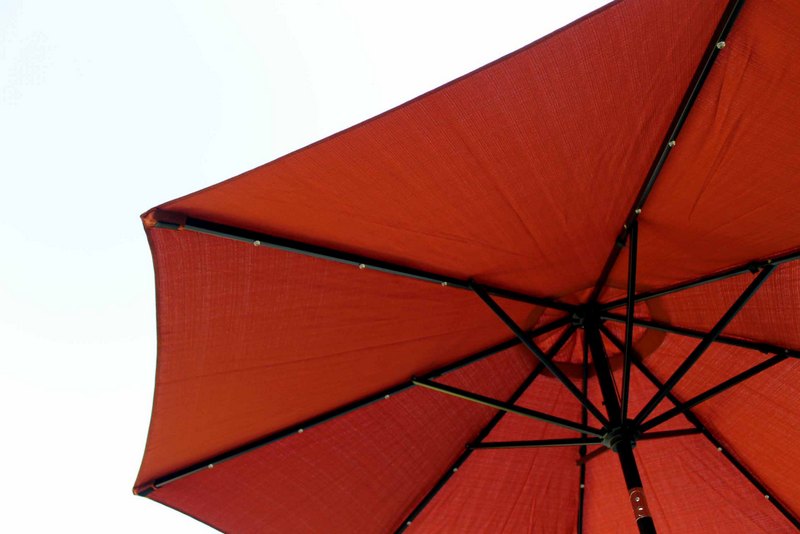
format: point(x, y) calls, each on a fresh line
point(557, 294)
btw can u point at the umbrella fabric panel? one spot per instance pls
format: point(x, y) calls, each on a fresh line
point(519, 174)
point(253, 340)
point(760, 426)
point(729, 191)
point(362, 472)
point(770, 315)
point(689, 485)
point(757, 420)
point(521, 490)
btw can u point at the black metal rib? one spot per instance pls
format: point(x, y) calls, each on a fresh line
point(571, 442)
point(766, 348)
point(752, 266)
point(537, 352)
point(699, 78)
point(536, 443)
point(481, 436)
point(582, 448)
point(362, 262)
point(668, 434)
point(633, 241)
point(704, 343)
point(505, 406)
point(146, 489)
point(585, 458)
point(694, 420)
point(711, 392)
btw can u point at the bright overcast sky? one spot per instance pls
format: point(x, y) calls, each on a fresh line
point(110, 108)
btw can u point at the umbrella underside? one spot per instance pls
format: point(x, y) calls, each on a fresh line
point(446, 317)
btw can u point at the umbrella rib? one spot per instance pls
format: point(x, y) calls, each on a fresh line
point(537, 443)
point(766, 348)
point(453, 468)
point(362, 262)
point(584, 459)
point(507, 407)
point(704, 344)
point(145, 489)
point(669, 434)
point(582, 448)
point(701, 74)
point(694, 420)
point(711, 392)
point(571, 442)
point(633, 242)
point(537, 352)
point(752, 267)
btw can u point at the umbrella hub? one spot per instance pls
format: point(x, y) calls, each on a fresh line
point(625, 432)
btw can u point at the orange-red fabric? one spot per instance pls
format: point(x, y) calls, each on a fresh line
point(518, 175)
point(729, 191)
point(508, 491)
point(690, 487)
point(757, 421)
point(253, 340)
point(770, 315)
point(362, 472)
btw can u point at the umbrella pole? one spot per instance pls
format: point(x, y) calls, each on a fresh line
point(621, 436)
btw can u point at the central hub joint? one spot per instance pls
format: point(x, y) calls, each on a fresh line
point(589, 315)
point(621, 434)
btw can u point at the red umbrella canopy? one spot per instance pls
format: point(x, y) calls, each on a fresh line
point(446, 318)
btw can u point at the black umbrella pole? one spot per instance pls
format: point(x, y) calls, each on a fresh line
point(619, 437)
point(634, 483)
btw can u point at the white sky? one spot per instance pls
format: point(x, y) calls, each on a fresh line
point(110, 108)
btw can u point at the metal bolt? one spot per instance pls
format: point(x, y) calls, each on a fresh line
point(408, 523)
point(211, 466)
point(719, 449)
point(256, 243)
point(582, 486)
point(455, 469)
point(300, 431)
point(671, 143)
point(386, 396)
point(444, 284)
point(638, 211)
point(766, 497)
point(721, 45)
point(362, 266)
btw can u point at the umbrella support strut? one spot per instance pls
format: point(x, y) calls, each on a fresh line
point(739, 466)
point(146, 489)
point(537, 352)
point(766, 348)
point(750, 267)
point(689, 97)
point(582, 449)
point(701, 347)
point(189, 224)
point(481, 435)
point(622, 436)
